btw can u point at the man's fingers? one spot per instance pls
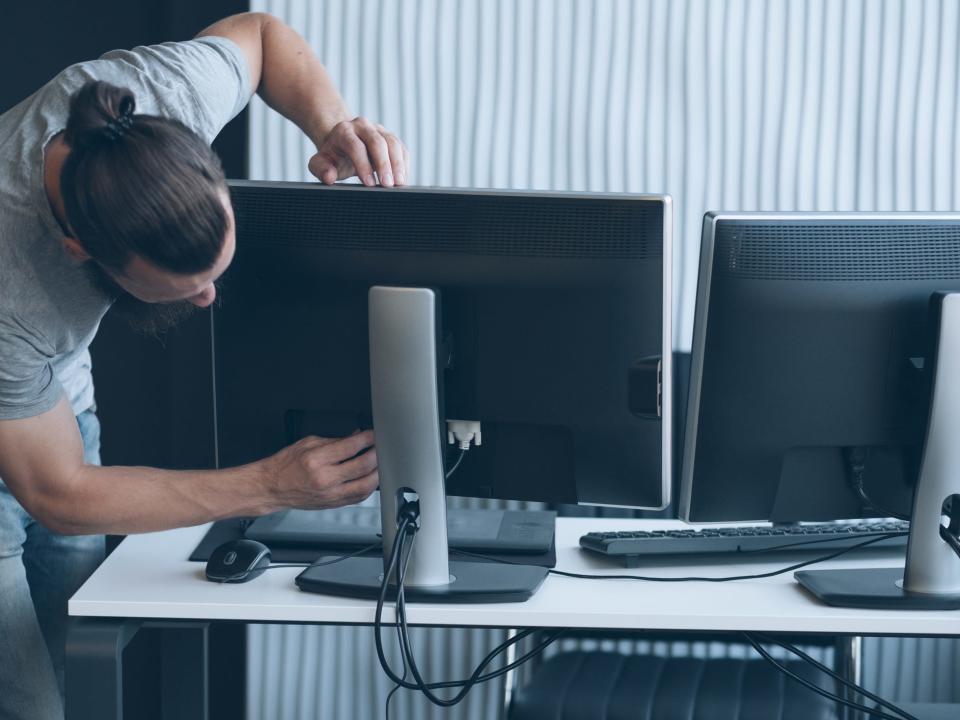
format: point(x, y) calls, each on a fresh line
point(397, 156)
point(346, 448)
point(315, 441)
point(360, 489)
point(358, 147)
point(324, 168)
point(355, 150)
point(358, 467)
point(377, 150)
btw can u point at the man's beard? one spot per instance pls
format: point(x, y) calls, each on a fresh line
point(150, 319)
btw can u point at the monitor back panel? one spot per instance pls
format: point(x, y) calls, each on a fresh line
point(546, 300)
point(811, 336)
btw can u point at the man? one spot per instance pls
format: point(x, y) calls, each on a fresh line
point(110, 194)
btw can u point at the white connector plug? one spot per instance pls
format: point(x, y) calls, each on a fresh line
point(463, 432)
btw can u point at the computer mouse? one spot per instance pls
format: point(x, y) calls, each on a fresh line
point(238, 561)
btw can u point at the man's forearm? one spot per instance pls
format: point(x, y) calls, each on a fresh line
point(294, 82)
point(290, 78)
point(285, 72)
point(123, 500)
point(41, 462)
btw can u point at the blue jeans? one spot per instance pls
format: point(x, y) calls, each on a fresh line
point(39, 571)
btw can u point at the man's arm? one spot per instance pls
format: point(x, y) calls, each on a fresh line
point(41, 461)
point(290, 78)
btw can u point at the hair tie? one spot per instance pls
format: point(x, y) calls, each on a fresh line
point(117, 127)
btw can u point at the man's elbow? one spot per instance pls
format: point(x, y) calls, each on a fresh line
point(56, 510)
point(63, 522)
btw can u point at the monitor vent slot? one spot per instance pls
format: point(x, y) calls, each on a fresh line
point(510, 225)
point(838, 250)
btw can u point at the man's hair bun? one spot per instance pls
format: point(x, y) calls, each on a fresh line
point(99, 112)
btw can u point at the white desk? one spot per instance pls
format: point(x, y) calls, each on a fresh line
point(148, 578)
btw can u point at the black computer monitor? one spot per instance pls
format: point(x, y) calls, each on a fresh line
point(547, 301)
point(812, 346)
point(549, 305)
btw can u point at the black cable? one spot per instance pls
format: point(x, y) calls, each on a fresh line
point(549, 639)
point(856, 458)
point(381, 599)
point(401, 573)
point(836, 676)
point(731, 578)
point(950, 539)
point(390, 696)
point(341, 558)
point(756, 645)
point(466, 685)
point(820, 691)
point(873, 504)
point(647, 578)
point(887, 534)
point(477, 677)
point(404, 527)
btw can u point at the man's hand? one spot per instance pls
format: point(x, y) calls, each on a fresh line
point(358, 147)
point(323, 473)
point(290, 78)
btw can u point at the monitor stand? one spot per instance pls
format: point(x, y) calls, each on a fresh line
point(931, 578)
point(408, 419)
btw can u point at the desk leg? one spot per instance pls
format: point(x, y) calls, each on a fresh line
point(184, 677)
point(94, 668)
point(849, 664)
point(510, 681)
point(228, 671)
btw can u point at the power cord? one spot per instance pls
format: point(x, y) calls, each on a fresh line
point(401, 573)
point(902, 714)
point(408, 516)
point(839, 678)
point(856, 458)
point(406, 526)
point(731, 578)
point(803, 656)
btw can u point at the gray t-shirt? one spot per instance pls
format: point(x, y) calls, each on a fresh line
point(49, 309)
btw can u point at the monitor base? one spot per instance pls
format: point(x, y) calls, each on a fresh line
point(471, 582)
point(876, 589)
point(520, 532)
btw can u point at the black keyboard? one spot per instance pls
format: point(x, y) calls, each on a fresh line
point(633, 546)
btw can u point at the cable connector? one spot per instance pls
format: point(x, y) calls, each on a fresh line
point(408, 508)
point(463, 432)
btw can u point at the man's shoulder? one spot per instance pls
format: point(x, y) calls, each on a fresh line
point(47, 296)
point(202, 83)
